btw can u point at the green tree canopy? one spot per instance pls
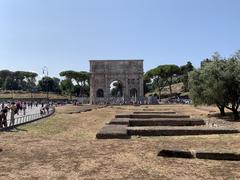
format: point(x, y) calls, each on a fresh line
point(217, 82)
point(185, 69)
point(48, 84)
point(163, 75)
point(19, 80)
point(67, 86)
point(80, 78)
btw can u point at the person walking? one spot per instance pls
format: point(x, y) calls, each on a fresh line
point(18, 105)
point(3, 117)
point(2, 105)
point(24, 107)
point(13, 109)
point(42, 111)
point(47, 108)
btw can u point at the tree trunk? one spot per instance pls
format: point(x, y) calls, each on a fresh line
point(170, 87)
point(234, 109)
point(221, 109)
point(160, 95)
point(236, 114)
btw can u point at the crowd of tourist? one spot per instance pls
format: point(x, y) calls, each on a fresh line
point(19, 108)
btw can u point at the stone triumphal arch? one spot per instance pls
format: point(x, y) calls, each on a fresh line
point(129, 73)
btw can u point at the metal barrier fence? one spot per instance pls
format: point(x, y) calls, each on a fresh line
point(29, 118)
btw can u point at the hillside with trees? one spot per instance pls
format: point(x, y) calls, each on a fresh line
point(165, 76)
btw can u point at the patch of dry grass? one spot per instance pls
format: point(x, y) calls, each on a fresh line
point(64, 147)
point(25, 95)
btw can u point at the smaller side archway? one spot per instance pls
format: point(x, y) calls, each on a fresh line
point(133, 92)
point(100, 93)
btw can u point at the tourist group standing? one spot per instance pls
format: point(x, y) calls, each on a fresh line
point(12, 109)
point(18, 108)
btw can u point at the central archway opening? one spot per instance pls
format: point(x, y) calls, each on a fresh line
point(116, 89)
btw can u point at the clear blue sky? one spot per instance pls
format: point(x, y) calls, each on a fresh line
point(65, 34)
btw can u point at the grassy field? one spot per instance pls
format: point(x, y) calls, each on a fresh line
point(64, 147)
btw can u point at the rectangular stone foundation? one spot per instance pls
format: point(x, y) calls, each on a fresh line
point(176, 131)
point(148, 116)
point(120, 121)
point(158, 122)
point(176, 154)
point(113, 132)
point(218, 156)
point(227, 156)
point(166, 122)
point(154, 112)
point(151, 124)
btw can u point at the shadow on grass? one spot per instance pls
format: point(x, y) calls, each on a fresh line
point(228, 117)
point(13, 130)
